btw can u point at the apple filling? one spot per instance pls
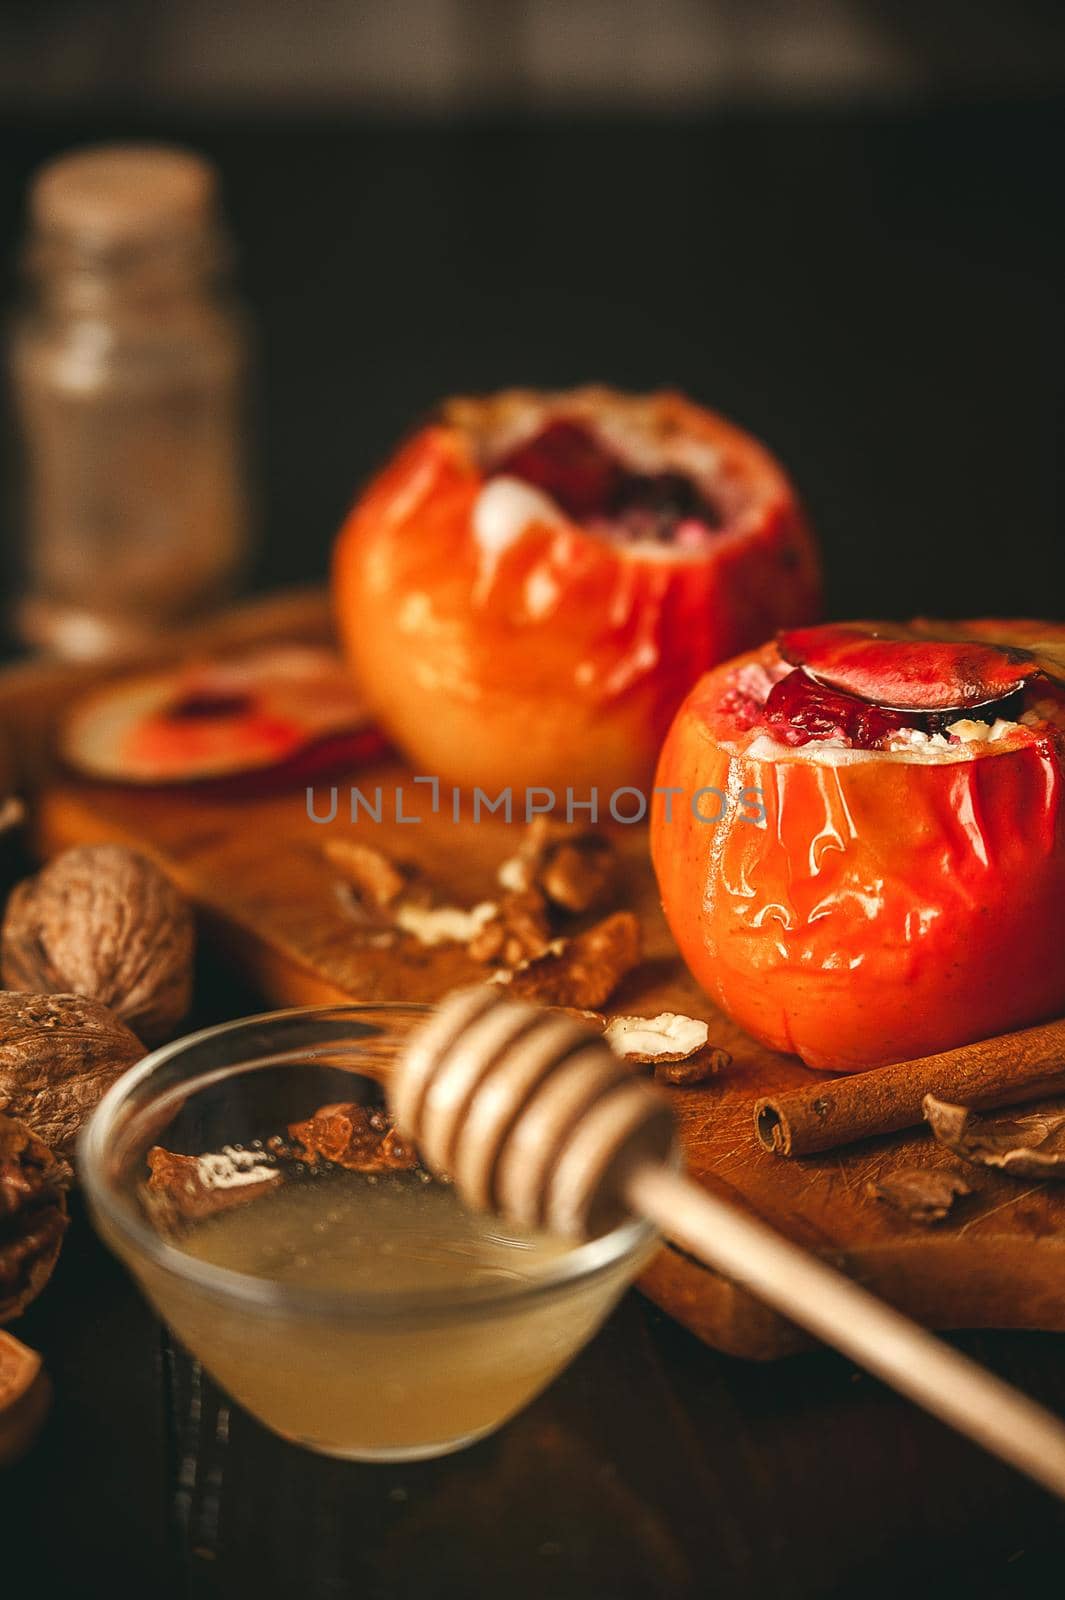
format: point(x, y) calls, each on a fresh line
point(788, 707)
point(923, 691)
point(589, 482)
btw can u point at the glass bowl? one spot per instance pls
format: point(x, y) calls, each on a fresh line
point(411, 1362)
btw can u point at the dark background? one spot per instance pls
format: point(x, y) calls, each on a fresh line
point(877, 293)
point(850, 239)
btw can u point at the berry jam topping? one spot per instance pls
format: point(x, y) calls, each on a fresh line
point(795, 710)
point(799, 710)
point(568, 462)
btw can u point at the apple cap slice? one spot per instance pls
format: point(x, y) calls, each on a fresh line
point(926, 665)
point(253, 712)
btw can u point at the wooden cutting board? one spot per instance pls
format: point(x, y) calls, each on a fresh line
point(272, 902)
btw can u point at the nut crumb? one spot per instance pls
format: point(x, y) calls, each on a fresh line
point(923, 1194)
point(377, 881)
point(518, 932)
point(356, 1137)
point(433, 925)
point(699, 1068)
point(667, 1037)
point(574, 867)
point(183, 1189)
point(584, 971)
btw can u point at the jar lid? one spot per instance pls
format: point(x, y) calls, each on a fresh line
point(123, 194)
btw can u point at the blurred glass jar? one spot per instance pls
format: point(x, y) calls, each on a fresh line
point(128, 363)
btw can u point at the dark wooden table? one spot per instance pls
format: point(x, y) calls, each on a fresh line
point(880, 296)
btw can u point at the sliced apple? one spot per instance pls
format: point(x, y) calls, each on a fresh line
point(271, 708)
point(923, 666)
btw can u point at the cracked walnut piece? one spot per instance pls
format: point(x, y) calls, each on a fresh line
point(33, 1215)
point(574, 867)
point(519, 931)
point(584, 971)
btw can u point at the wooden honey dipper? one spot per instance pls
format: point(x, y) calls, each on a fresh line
point(533, 1115)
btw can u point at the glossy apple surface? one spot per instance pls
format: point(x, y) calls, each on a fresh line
point(530, 587)
point(877, 887)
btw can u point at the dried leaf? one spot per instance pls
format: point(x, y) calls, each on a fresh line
point(923, 1194)
point(1032, 1146)
point(584, 971)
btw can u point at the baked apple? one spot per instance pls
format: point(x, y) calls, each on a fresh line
point(859, 837)
point(529, 588)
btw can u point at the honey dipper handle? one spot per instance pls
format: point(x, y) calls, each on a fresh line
point(814, 1295)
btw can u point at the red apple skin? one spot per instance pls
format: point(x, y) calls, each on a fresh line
point(884, 911)
point(562, 665)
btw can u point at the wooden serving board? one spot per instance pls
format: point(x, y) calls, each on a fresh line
point(272, 902)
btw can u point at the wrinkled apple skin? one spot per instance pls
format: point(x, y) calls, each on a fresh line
point(561, 663)
point(885, 910)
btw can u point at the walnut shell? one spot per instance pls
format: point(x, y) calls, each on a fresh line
point(104, 922)
point(33, 1215)
point(59, 1053)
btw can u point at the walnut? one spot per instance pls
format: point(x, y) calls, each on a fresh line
point(518, 932)
point(584, 971)
point(575, 867)
point(25, 1395)
point(183, 1189)
point(59, 1053)
point(358, 1138)
point(33, 1215)
point(104, 922)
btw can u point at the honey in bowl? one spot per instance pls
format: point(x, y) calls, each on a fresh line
point(382, 1387)
point(367, 1314)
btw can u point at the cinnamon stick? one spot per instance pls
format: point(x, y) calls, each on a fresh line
point(835, 1111)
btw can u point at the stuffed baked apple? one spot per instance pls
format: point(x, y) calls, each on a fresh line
point(863, 856)
point(532, 585)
